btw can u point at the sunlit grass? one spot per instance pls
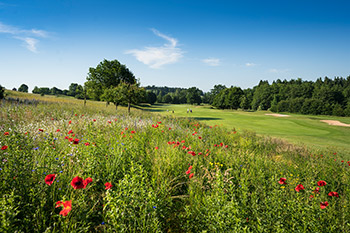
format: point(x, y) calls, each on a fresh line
point(167, 174)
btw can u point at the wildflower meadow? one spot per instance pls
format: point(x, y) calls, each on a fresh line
point(66, 168)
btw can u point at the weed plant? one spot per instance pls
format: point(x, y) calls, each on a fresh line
point(147, 173)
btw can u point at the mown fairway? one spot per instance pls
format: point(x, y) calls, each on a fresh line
point(299, 129)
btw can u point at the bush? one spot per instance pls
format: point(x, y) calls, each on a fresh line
point(2, 91)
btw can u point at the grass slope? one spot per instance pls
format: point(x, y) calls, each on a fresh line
point(299, 129)
point(162, 174)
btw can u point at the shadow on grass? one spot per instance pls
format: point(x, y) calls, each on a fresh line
point(149, 108)
point(202, 118)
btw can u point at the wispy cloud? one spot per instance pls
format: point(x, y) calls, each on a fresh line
point(278, 71)
point(28, 36)
point(156, 57)
point(249, 64)
point(211, 61)
point(29, 43)
point(3, 5)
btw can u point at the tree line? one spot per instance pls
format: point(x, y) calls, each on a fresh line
point(113, 82)
point(325, 96)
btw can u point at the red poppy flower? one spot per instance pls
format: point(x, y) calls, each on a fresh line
point(71, 139)
point(77, 182)
point(58, 130)
point(67, 207)
point(87, 181)
point(299, 187)
point(159, 122)
point(70, 131)
point(191, 175)
point(70, 122)
point(41, 130)
point(321, 183)
point(282, 181)
point(156, 148)
point(199, 137)
point(192, 153)
point(59, 203)
point(317, 190)
point(76, 141)
point(108, 185)
point(333, 194)
point(49, 179)
point(6, 133)
point(94, 120)
point(323, 205)
point(133, 131)
point(4, 147)
point(188, 171)
point(87, 144)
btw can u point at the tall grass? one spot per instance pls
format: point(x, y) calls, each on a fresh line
point(149, 160)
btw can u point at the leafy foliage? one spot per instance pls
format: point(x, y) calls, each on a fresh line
point(2, 92)
point(23, 88)
point(107, 74)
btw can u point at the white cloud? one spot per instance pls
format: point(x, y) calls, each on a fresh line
point(212, 61)
point(30, 43)
point(28, 36)
point(156, 57)
point(277, 71)
point(248, 64)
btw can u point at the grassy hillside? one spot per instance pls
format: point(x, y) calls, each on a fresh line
point(68, 168)
point(299, 129)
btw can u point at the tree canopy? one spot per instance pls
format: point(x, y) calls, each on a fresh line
point(2, 91)
point(124, 93)
point(23, 88)
point(107, 74)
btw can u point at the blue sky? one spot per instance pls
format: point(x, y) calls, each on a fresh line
point(177, 43)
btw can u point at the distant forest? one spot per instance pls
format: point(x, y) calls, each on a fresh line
point(324, 96)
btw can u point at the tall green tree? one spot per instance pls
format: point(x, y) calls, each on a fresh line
point(124, 94)
point(151, 97)
point(107, 74)
point(215, 91)
point(194, 96)
point(23, 88)
point(2, 92)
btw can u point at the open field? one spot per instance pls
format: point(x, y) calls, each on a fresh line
point(299, 129)
point(69, 168)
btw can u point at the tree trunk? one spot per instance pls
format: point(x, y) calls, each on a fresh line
point(116, 106)
point(129, 107)
point(84, 96)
